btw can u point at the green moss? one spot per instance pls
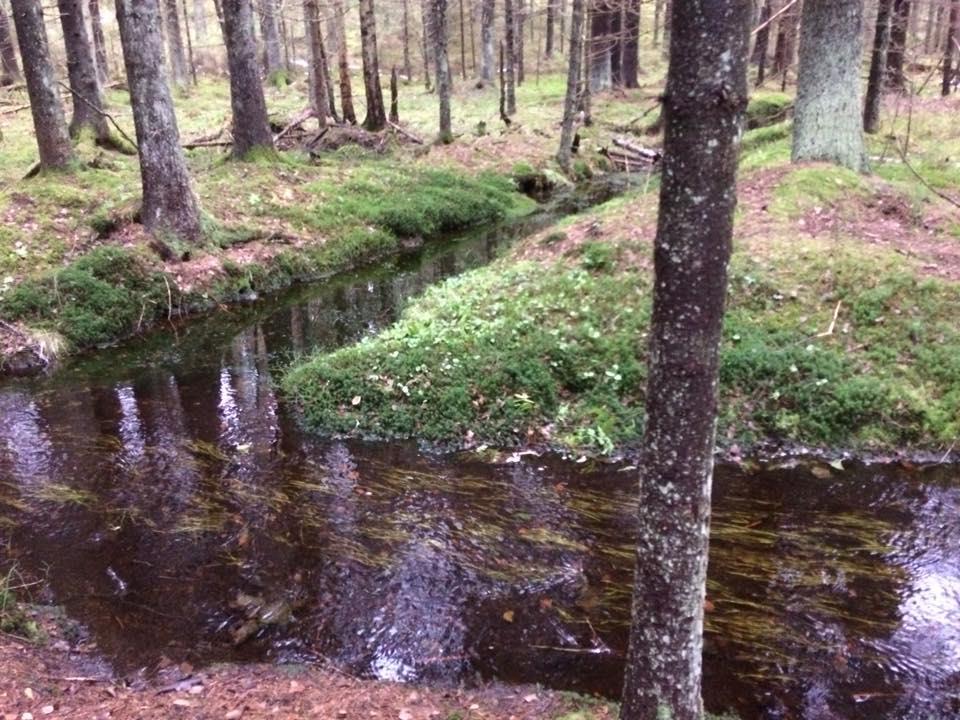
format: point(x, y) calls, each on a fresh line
point(768, 108)
point(766, 147)
point(806, 187)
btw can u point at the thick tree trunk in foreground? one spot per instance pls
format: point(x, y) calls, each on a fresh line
point(510, 69)
point(568, 126)
point(376, 118)
point(438, 22)
point(169, 205)
point(49, 124)
point(704, 118)
point(896, 78)
point(343, 64)
point(99, 43)
point(319, 96)
point(84, 84)
point(487, 10)
point(272, 49)
point(250, 127)
point(9, 67)
point(630, 62)
point(950, 51)
point(878, 61)
point(178, 57)
point(827, 122)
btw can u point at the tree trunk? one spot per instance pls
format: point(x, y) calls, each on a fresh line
point(272, 50)
point(394, 96)
point(438, 23)
point(510, 27)
point(631, 44)
point(188, 35)
point(178, 58)
point(827, 122)
point(343, 64)
point(551, 21)
point(251, 129)
point(319, 96)
point(953, 30)
point(407, 65)
point(376, 115)
point(575, 53)
point(427, 45)
point(704, 116)
point(616, 45)
point(896, 78)
point(762, 47)
point(519, 16)
point(50, 126)
point(9, 67)
point(463, 44)
point(600, 46)
point(487, 11)
point(878, 61)
point(99, 43)
point(657, 21)
point(84, 85)
point(786, 50)
point(933, 8)
point(169, 205)
point(200, 18)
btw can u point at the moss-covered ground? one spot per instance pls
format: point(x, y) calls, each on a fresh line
point(841, 328)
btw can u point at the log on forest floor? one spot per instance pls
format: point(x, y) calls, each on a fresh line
point(627, 156)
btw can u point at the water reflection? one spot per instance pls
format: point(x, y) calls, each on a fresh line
point(168, 491)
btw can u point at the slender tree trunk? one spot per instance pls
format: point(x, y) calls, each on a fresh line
point(99, 43)
point(563, 25)
point(599, 46)
point(503, 88)
point(343, 64)
point(519, 16)
point(657, 21)
point(438, 22)
point(84, 85)
point(427, 45)
point(473, 37)
point(318, 86)
point(9, 67)
point(827, 122)
point(786, 49)
point(200, 18)
point(896, 78)
point(463, 44)
point(762, 47)
point(510, 69)
point(938, 34)
point(631, 44)
point(551, 21)
point(250, 126)
point(169, 205)
point(950, 50)
point(878, 61)
point(178, 58)
point(49, 124)
point(933, 8)
point(189, 36)
point(616, 44)
point(575, 53)
point(272, 51)
point(704, 115)
point(487, 10)
point(394, 96)
point(376, 116)
point(407, 65)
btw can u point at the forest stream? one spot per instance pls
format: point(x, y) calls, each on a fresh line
point(166, 493)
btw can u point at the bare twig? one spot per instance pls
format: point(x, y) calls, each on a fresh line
point(773, 17)
point(296, 122)
point(833, 323)
point(407, 134)
point(918, 176)
point(16, 109)
point(104, 113)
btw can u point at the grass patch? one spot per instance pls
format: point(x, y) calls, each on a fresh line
point(14, 619)
point(768, 108)
point(809, 186)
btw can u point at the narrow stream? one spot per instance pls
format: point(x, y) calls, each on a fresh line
point(167, 494)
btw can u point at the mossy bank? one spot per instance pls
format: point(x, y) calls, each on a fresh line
point(841, 327)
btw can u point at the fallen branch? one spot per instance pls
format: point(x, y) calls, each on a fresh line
point(102, 112)
point(833, 323)
point(15, 110)
point(407, 134)
point(646, 154)
point(296, 122)
point(773, 17)
point(918, 176)
point(211, 143)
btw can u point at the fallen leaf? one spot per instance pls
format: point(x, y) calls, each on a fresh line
point(233, 714)
point(356, 400)
point(508, 616)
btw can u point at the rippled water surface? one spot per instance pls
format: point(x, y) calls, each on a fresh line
point(178, 512)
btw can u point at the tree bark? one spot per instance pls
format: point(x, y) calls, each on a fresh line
point(463, 44)
point(99, 43)
point(376, 115)
point(343, 64)
point(519, 16)
point(178, 58)
point(394, 96)
point(186, 32)
point(786, 50)
point(169, 205)
point(704, 118)
point(631, 44)
point(616, 44)
point(272, 51)
point(251, 129)
point(49, 124)
point(9, 67)
point(551, 21)
point(827, 122)
point(575, 53)
point(878, 61)
point(487, 11)
point(427, 43)
point(896, 78)
point(200, 18)
point(407, 65)
point(319, 96)
point(762, 47)
point(600, 46)
point(510, 69)
point(438, 22)
point(84, 84)
point(953, 29)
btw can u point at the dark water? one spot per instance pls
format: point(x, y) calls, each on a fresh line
point(166, 492)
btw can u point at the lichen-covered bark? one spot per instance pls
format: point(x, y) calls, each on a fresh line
point(438, 23)
point(376, 118)
point(704, 106)
point(828, 122)
point(169, 204)
point(82, 73)
point(487, 9)
point(178, 57)
point(250, 127)
point(99, 42)
point(878, 61)
point(270, 29)
point(49, 123)
point(573, 85)
point(9, 67)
